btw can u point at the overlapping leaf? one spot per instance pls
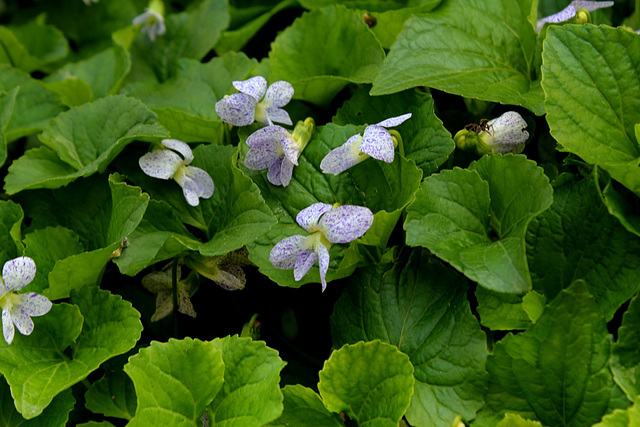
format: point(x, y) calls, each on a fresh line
point(11, 217)
point(303, 406)
point(625, 361)
point(56, 414)
point(7, 102)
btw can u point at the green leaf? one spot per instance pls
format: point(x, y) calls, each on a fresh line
point(38, 168)
point(557, 371)
point(312, 54)
point(250, 395)
point(55, 415)
point(629, 417)
point(11, 217)
point(7, 102)
point(501, 312)
point(371, 381)
point(625, 357)
point(576, 238)
point(303, 406)
point(37, 367)
point(72, 92)
point(113, 396)
point(515, 420)
point(421, 307)
point(175, 381)
point(595, 67)
point(448, 50)
point(620, 203)
point(476, 218)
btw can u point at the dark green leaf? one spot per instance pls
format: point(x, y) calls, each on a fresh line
point(303, 406)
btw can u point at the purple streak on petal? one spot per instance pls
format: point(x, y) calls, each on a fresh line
point(323, 255)
point(291, 148)
point(303, 263)
point(279, 115)
point(286, 171)
point(18, 273)
point(181, 147)
point(279, 94)
point(7, 326)
point(377, 143)
point(22, 321)
point(394, 121)
point(275, 172)
point(261, 157)
point(591, 5)
point(342, 158)
point(232, 278)
point(161, 164)
point(564, 15)
point(238, 109)
point(203, 180)
point(191, 190)
point(254, 87)
point(284, 254)
point(346, 223)
point(308, 218)
point(33, 304)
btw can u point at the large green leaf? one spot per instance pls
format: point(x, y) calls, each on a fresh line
point(625, 360)
point(113, 395)
point(303, 406)
point(421, 307)
point(250, 395)
point(372, 382)
point(557, 371)
point(473, 48)
point(476, 218)
point(576, 238)
point(7, 103)
point(593, 96)
point(11, 217)
point(38, 367)
point(55, 415)
point(175, 381)
point(313, 56)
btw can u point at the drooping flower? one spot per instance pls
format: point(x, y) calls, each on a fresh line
point(501, 135)
point(17, 309)
point(274, 148)
point(327, 225)
point(242, 109)
point(166, 164)
point(160, 282)
point(376, 142)
point(224, 270)
point(152, 20)
point(574, 11)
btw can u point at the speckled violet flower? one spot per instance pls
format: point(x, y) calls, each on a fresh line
point(571, 11)
point(160, 282)
point(376, 142)
point(17, 309)
point(502, 135)
point(242, 109)
point(327, 224)
point(166, 164)
point(153, 20)
point(224, 270)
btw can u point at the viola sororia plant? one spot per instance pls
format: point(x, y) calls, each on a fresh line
point(320, 213)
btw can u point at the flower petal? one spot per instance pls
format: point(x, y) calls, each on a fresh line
point(284, 254)
point(279, 115)
point(161, 164)
point(377, 143)
point(158, 281)
point(323, 255)
point(238, 109)
point(291, 148)
point(191, 190)
point(275, 172)
point(33, 304)
point(204, 181)
point(346, 223)
point(142, 18)
point(268, 135)
point(286, 171)
point(342, 158)
point(394, 121)
point(22, 320)
point(303, 263)
point(591, 5)
point(164, 306)
point(308, 218)
point(506, 133)
point(564, 15)
point(279, 94)
point(17, 273)
point(7, 326)
point(181, 147)
point(231, 278)
point(254, 87)
point(184, 302)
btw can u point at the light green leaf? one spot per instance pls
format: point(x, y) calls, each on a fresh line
point(11, 217)
point(533, 304)
point(250, 395)
point(620, 202)
point(37, 367)
point(38, 168)
point(557, 371)
point(113, 396)
point(7, 102)
point(515, 420)
point(501, 312)
point(371, 381)
point(72, 92)
point(629, 417)
point(303, 406)
point(589, 78)
point(473, 48)
point(317, 77)
point(175, 381)
point(421, 307)
point(55, 415)
point(625, 357)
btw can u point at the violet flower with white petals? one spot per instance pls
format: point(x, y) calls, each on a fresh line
point(571, 11)
point(166, 164)
point(501, 135)
point(17, 309)
point(152, 20)
point(376, 142)
point(327, 224)
point(242, 109)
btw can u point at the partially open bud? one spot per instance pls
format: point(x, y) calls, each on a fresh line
point(502, 135)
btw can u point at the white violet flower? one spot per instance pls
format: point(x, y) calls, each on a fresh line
point(571, 11)
point(17, 309)
point(327, 224)
point(153, 22)
point(376, 142)
point(242, 109)
point(166, 164)
point(502, 135)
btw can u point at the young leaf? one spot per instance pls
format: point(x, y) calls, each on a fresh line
point(629, 417)
point(56, 414)
point(303, 406)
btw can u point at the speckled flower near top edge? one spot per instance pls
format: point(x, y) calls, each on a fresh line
point(327, 225)
point(571, 10)
point(506, 133)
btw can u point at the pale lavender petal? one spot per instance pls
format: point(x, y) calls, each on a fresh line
point(33, 304)
point(232, 278)
point(238, 109)
point(275, 172)
point(290, 147)
point(284, 254)
point(181, 147)
point(261, 157)
point(286, 171)
point(377, 143)
point(142, 18)
point(323, 255)
point(7, 326)
point(279, 115)
point(342, 158)
point(266, 135)
point(161, 164)
point(254, 87)
point(506, 133)
point(394, 121)
point(591, 5)
point(308, 218)
point(303, 263)
point(346, 223)
point(571, 10)
point(279, 94)
point(22, 321)
point(18, 273)
point(202, 179)
point(191, 190)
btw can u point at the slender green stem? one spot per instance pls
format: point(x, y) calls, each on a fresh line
point(174, 286)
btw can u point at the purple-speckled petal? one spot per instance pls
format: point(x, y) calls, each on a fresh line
point(323, 256)
point(33, 304)
point(284, 254)
point(22, 321)
point(394, 121)
point(279, 94)
point(238, 109)
point(7, 326)
point(377, 143)
point(342, 158)
point(275, 171)
point(261, 157)
point(506, 133)
point(181, 147)
point(303, 263)
point(591, 5)
point(279, 115)
point(161, 164)
point(164, 306)
point(564, 15)
point(158, 281)
point(308, 218)
point(184, 302)
point(17, 273)
point(254, 87)
point(266, 135)
point(286, 171)
point(204, 181)
point(291, 148)
point(346, 223)
point(191, 190)
point(232, 278)
point(142, 18)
